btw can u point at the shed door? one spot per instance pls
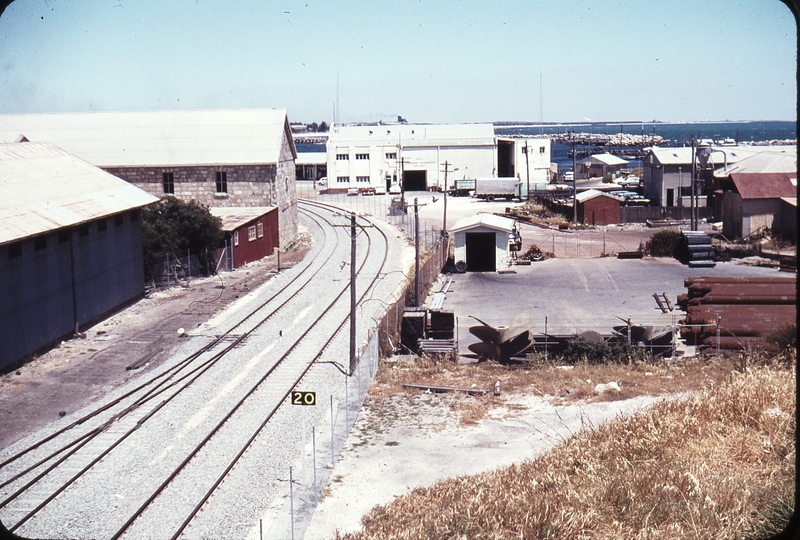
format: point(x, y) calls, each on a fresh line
point(481, 252)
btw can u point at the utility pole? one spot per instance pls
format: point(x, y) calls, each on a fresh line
point(694, 174)
point(574, 185)
point(444, 217)
point(416, 253)
point(528, 169)
point(352, 292)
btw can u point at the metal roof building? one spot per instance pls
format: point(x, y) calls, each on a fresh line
point(482, 242)
point(44, 188)
point(225, 157)
point(159, 138)
point(70, 246)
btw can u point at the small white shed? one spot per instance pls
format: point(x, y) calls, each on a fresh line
point(482, 242)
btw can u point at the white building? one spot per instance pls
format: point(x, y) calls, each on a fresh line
point(415, 154)
point(528, 160)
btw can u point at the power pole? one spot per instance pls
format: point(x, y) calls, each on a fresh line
point(574, 185)
point(416, 253)
point(352, 292)
point(528, 169)
point(694, 174)
point(444, 217)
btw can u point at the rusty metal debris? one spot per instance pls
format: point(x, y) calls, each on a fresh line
point(735, 313)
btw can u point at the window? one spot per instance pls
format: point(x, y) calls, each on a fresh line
point(83, 230)
point(63, 237)
point(251, 233)
point(362, 179)
point(40, 242)
point(391, 155)
point(168, 179)
point(362, 156)
point(260, 230)
point(541, 149)
point(134, 215)
point(14, 250)
point(118, 220)
point(222, 182)
point(235, 238)
point(342, 157)
point(342, 179)
point(102, 225)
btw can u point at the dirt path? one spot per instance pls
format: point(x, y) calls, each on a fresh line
point(76, 372)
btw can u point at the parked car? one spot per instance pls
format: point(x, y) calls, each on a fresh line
point(394, 189)
point(323, 182)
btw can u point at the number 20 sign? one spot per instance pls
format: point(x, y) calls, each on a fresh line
point(304, 398)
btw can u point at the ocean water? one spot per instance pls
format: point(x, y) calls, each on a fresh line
point(675, 134)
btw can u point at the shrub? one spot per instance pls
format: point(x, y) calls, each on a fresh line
point(782, 339)
point(664, 243)
point(581, 350)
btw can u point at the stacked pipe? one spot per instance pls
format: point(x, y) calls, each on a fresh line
point(735, 313)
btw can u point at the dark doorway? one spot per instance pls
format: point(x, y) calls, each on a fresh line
point(481, 252)
point(670, 197)
point(505, 159)
point(415, 180)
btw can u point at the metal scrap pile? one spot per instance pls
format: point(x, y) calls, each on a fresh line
point(735, 313)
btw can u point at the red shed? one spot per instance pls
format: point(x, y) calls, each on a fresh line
point(251, 233)
point(597, 208)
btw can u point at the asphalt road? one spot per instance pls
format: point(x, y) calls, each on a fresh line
point(576, 295)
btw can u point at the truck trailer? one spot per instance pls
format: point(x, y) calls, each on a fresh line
point(498, 188)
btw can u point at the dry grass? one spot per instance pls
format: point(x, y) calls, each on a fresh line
point(713, 465)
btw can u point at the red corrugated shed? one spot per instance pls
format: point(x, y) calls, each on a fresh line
point(765, 185)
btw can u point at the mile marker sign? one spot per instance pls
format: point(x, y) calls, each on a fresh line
point(304, 398)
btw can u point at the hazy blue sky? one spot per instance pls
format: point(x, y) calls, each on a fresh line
point(427, 60)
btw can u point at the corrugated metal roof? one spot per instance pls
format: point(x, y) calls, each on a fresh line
point(772, 159)
point(607, 159)
point(43, 188)
point(311, 158)
point(765, 185)
point(484, 220)
point(410, 135)
point(590, 194)
point(159, 138)
point(233, 217)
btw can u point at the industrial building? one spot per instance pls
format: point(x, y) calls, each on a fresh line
point(231, 157)
point(753, 202)
point(421, 157)
point(599, 165)
point(251, 233)
point(483, 242)
point(597, 208)
point(70, 246)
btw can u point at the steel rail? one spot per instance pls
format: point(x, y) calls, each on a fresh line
point(162, 487)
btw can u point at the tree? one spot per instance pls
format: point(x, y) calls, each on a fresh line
point(323, 127)
point(172, 226)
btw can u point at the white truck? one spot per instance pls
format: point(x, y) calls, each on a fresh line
point(497, 188)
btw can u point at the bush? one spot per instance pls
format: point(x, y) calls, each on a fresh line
point(664, 243)
point(783, 339)
point(580, 350)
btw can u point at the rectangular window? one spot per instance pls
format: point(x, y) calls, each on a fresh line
point(260, 230)
point(342, 179)
point(102, 225)
point(391, 155)
point(362, 179)
point(83, 230)
point(251, 233)
point(222, 182)
point(342, 157)
point(63, 237)
point(118, 220)
point(14, 250)
point(235, 238)
point(40, 242)
point(168, 179)
point(362, 156)
point(541, 149)
point(134, 215)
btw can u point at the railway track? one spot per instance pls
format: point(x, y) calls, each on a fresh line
point(158, 454)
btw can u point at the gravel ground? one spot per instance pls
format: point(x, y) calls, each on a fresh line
point(93, 506)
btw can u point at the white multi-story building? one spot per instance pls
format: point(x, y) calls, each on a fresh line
point(414, 156)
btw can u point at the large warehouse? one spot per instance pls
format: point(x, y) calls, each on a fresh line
point(230, 157)
point(414, 156)
point(70, 246)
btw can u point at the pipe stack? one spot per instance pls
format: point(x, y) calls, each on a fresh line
point(735, 313)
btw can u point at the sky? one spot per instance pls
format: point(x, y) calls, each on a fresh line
point(429, 61)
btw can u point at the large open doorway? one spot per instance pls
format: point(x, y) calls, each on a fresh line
point(415, 180)
point(481, 252)
point(505, 159)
